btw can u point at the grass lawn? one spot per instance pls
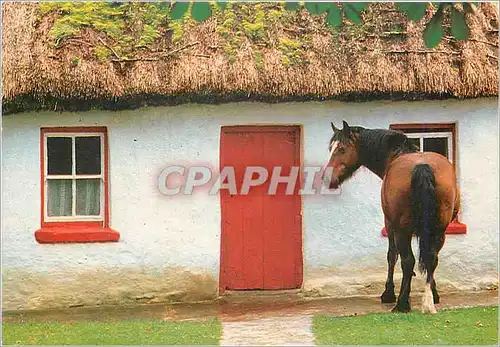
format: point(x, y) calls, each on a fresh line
point(127, 332)
point(466, 326)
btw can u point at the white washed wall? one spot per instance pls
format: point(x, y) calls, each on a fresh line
point(179, 234)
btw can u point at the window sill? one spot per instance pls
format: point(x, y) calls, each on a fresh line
point(453, 228)
point(68, 233)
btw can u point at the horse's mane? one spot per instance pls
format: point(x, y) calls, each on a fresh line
point(383, 139)
point(376, 145)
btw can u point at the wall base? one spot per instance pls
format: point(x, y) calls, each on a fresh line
point(23, 290)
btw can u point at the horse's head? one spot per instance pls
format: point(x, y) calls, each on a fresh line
point(343, 156)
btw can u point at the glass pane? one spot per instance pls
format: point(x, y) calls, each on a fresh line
point(59, 198)
point(59, 155)
point(88, 197)
point(415, 142)
point(88, 155)
point(437, 144)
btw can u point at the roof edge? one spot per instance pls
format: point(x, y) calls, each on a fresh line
point(29, 103)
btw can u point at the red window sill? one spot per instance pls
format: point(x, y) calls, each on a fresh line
point(75, 233)
point(453, 228)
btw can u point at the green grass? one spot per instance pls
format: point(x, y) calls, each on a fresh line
point(127, 332)
point(467, 326)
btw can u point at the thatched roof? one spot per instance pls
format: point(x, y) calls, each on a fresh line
point(379, 59)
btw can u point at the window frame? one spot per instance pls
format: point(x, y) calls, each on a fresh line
point(73, 177)
point(79, 229)
point(423, 130)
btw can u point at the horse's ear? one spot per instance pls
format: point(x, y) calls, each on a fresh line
point(333, 127)
point(346, 130)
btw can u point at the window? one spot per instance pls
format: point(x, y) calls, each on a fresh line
point(74, 186)
point(434, 137)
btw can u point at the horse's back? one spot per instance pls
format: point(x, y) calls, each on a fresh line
point(396, 188)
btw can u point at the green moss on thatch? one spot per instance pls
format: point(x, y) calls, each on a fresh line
point(127, 27)
point(259, 63)
point(259, 24)
point(102, 53)
point(293, 51)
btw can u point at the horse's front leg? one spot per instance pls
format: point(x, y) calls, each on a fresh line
point(403, 244)
point(388, 296)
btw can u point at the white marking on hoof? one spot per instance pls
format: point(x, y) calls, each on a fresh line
point(428, 300)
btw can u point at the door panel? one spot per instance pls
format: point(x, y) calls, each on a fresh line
point(261, 246)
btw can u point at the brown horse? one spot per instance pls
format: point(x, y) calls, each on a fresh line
point(419, 196)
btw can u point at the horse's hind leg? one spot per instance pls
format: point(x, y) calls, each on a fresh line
point(435, 295)
point(431, 296)
point(388, 295)
point(440, 244)
point(403, 244)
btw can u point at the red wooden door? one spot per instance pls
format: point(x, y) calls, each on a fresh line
point(261, 246)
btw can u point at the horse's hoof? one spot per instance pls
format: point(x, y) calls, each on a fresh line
point(429, 309)
point(401, 308)
point(388, 298)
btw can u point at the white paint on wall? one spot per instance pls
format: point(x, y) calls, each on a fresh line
point(157, 231)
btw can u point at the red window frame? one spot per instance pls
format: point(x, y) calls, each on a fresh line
point(75, 231)
point(455, 227)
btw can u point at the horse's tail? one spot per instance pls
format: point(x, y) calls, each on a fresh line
point(424, 211)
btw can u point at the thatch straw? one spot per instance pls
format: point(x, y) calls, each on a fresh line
point(372, 65)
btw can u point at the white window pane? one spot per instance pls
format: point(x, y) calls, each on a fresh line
point(88, 197)
point(59, 198)
point(437, 144)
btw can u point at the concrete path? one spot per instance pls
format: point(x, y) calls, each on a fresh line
point(270, 331)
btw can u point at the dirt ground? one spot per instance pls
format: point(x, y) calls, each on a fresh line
point(244, 307)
